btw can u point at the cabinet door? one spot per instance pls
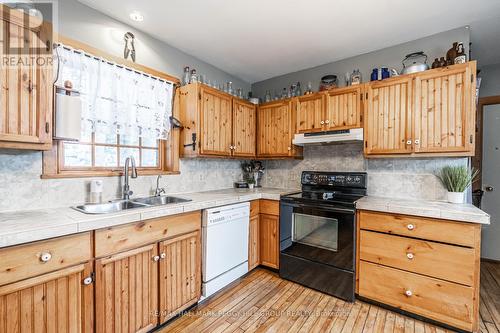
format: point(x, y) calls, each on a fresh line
point(387, 124)
point(444, 109)
point(253, 243)
point(53, 302)
point(274, 130)
point(180, 274)
point(244, 128)
point(269, 240)
point(26, 90)
point(127, 291)
point(215, 122)
point(311, 113)
point(343, 108)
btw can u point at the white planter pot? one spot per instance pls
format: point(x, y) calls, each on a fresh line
point(250, 186)
point(456, 197)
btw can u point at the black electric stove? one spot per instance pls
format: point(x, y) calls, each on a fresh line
point(317, 231)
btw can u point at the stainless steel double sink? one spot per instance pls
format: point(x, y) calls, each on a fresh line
point(121, 205)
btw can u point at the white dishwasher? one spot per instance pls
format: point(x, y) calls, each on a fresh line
point(225, 246)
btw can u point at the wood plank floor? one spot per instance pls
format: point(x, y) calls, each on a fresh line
point(263, 302)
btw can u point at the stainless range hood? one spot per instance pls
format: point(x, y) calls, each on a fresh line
point(329, 137)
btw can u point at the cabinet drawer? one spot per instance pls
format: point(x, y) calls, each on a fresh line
point(432, 229)
point(271, 207)
point(446, 302)
point(29, 260)
point(116, 239)
point(447, 262)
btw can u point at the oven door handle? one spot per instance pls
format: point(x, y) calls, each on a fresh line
point(324, 207)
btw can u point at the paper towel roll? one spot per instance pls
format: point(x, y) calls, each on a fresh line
point(68, 117)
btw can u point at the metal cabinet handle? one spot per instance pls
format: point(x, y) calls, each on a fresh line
point(163, 255)
point(45, 256)
point(410, 226)
point(156, 258)
point(408, 293)
point(410, 255)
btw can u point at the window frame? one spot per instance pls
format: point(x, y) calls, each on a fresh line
point(168, 150)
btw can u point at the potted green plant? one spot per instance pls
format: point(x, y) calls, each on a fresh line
point(250, 182)
point(457, 179)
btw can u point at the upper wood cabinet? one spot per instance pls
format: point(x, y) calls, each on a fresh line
point(344, 108)
point(430, 113)
point(311, 113)
point(444, 109)
point(25, 87)
point(218, 124)
point(244, 128)
point(275, 128)
point(388, 116)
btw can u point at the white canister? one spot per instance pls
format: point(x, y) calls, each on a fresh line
point(96, 187)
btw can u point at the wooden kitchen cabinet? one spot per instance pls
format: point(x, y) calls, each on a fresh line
point(431, 113)
point(388, 116)
point(180, 274)
point(344, 108)
point(275, 129)
point(445, 109)
point(244, 138)
point(269, 240)
point(216, 124)
point(127, 291)
point(311, 113)
point(25, 89)
point(53, 302)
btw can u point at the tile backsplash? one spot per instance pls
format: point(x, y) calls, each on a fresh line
point(22, 188)
point(389, 177)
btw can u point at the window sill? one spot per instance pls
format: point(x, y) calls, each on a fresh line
point(90, 174)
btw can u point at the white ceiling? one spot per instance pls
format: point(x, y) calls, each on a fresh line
point(260, 39)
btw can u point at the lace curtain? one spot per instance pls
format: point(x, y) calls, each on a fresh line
point(116, 100)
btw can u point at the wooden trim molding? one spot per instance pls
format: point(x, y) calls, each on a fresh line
point(168, 150)
point(477, 159)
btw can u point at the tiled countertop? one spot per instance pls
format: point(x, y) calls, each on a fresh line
point(28, 226)
point(433, 209)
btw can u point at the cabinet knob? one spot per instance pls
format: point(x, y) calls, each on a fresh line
point(45, 256)
point(322, 122)
point(163, 255)
point(408, 142)
point(408, 293)
point(327, 121)
point(156, 258)
point(88, 280)
point(410, 255)
point(410, 226)
point(289, 148)
point(417, 141)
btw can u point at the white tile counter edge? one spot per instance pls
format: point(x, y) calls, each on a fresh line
point(432, 209)
point(27, 226)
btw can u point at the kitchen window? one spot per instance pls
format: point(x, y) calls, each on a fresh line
point(125, 112)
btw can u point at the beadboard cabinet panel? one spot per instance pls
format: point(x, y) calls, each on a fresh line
point(244, 131)
point(344, 108)
point(310, 113)
point(274, 130)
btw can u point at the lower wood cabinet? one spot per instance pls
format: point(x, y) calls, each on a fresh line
point(428, 267)
point(127, 291)
point(253, 243)
point(180, 274)
point(54, 302)
point(269, 240)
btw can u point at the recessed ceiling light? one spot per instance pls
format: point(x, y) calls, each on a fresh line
point(136, 16)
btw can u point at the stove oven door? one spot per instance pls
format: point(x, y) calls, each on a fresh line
point(318, 233)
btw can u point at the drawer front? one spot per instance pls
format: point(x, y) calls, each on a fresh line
point(120, 238)
point(29, 260)
point(431, 229)
point(446, 302)
point(447, 262)
point(270, 207)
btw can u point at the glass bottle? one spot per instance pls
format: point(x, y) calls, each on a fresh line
point(298, 90)
point(284, 93)
point(229, 87)
point(267, 97)
point(309, 88)
point(194, 77)
point(186, 76)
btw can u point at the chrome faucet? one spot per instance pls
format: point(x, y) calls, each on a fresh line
point(126, 188)
point(159, 190)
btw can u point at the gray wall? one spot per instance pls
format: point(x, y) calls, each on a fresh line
point(490, 83)
point(434, 46)
point(87, 25)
